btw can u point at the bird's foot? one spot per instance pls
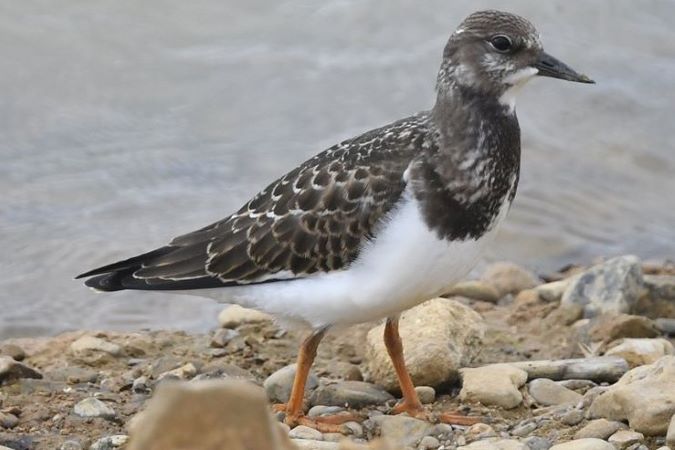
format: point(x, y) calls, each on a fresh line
point(415, 410)
point(457, 418)
point(333, 423)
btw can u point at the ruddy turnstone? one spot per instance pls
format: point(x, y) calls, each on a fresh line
point(378, 223)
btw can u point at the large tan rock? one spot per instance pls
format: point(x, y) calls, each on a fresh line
point(509, 278)
point(234, 315)
point(439, 337)
point(638, 352)
point(493, 385)
point(207, 415)
point(644, 396)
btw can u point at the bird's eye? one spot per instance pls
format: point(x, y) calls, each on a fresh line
point(501, 43)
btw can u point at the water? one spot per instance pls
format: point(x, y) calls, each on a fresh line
point(126, 123)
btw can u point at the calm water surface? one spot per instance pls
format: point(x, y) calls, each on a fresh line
point(126, 123)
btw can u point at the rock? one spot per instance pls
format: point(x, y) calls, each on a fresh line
point(141, 385)
point(537, 443)
point(87, 344)
point(184, 372)
point(428, 443)
point(552, 292)
point(278, 385)
point(496, 384)
point(547, 392)
point(234, 315)
point(11, 370)
point(524, 429)
point(351, 394)
point(572, 417)
point(206, 414)
point(71, 445)
point(219, 370)
point(402, 430)
point(303, 432)
point(110, 442)
point(616, 326)
point(644, 396)
point(321, 410)
point(667, 326)
point(8, 420)
point(638, 352)
point(222, 337)
point(624, 438)
point(509, 278)
point(611, 287)
point(584, 444)
point(427, 394)
point(93, 407)
point(565, 315)
point(660, 286)
point(501, 444)
point(598, 369)
point(449, 339)
point(475, 290)
point(577, 385)
point(73, 375)
point(659, 299)
point(599, 429)
point(479, 431)
point(13, 351)
point(670, 435)
point(305, 444)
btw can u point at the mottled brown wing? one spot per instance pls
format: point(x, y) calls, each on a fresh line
point(313, 219)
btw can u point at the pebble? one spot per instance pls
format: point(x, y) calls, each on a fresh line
point(479, 431)
point(666, 325)
point(234, 315)
point(476, 290)
point(306, 444)
point(450, 339)
point(429, 443)
point(572, 417)
point(552, 292)
point(303, 432)
point(93, 344)
point(584, 444)
point(183, 372)
point(13, 351)
point(670, 434)
point(442, 431)
point(547, 392)
point(110, 442)
point(427, 394)
point(141, 385)
point(355, 429)
point(537, 443)
point(622, 439)
point(524, 429)
point(495, 384)
point(644, 396)
point(322, 410)
point(352, 394)
point(93, 407)
point(611, 287)
point(278, 385)
point(71, 445)
point(501, 444)
point(577, 385)
point(509, 278)
point(222, 337)
point(610, 327)
point(599, 429)
point(11, 370)
point(403, 430)
point(638, 352)
point(73, 375)
point(8, 420)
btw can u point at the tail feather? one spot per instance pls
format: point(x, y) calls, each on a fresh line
point(134, 262)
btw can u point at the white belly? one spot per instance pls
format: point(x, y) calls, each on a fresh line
point(405, 265)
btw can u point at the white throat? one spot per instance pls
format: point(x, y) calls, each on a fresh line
point(516, 81)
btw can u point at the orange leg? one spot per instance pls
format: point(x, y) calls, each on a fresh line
point(411, 403)
point(294, 407)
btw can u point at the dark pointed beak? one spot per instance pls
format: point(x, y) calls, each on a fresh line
point(548, 66)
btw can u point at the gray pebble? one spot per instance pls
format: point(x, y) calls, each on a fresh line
point(321, 410)
point(355, 394)
point(278, 385)
point(572, 417)
point(303, 432)
point(429, 443)
point(538, 443)
point(524, 429)
point(71, 445)
point(427, 394)
point(110, 442)
point(355, 429)
point(140, 385)
point(93, 407)
point(8, 420)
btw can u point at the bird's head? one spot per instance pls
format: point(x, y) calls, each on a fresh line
point(495, 53)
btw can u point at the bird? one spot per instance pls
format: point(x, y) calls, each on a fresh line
point(378, 223)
